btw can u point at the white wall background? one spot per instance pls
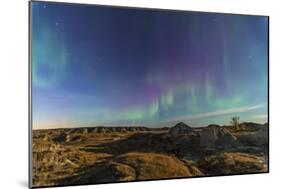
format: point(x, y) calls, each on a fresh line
point(14, 92)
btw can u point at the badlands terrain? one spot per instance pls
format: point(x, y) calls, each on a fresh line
point(114, 154)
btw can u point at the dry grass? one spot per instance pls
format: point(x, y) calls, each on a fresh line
point(232, 163)
point(53, 162)
point(155, 166)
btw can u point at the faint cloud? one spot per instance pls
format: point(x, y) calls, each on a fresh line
point(260, 116)
point(218, 113)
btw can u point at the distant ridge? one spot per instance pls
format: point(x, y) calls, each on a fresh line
point(101, 129)
point(248, 125)
point(180, 129)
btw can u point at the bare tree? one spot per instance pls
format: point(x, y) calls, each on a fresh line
point(235, 122)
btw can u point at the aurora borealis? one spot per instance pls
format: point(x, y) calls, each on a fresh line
point(94, 65)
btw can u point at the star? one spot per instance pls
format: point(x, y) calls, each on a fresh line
point(194, 67)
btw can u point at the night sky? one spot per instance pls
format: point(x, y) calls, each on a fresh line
point(104, 66)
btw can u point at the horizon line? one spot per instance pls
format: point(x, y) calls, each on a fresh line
point(109, 126)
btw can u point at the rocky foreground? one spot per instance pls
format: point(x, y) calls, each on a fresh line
point(111, 154)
